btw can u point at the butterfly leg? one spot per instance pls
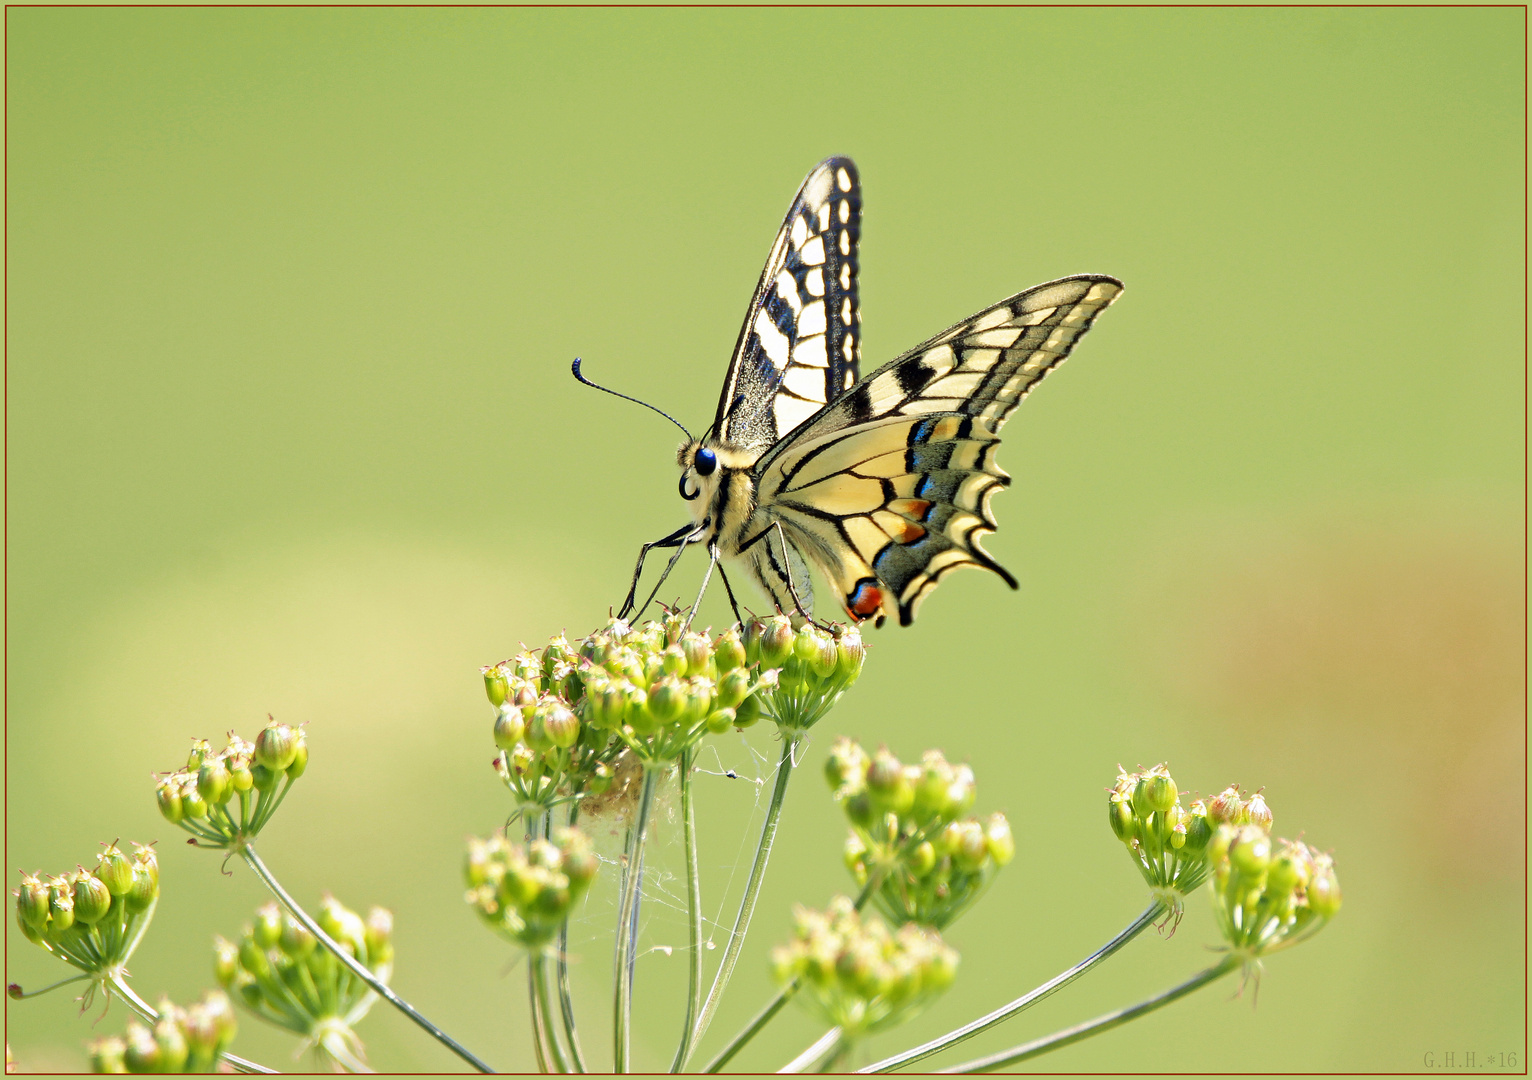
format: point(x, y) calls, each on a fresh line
point(694, 536)
point(675, 539)
point(712, 551)
point(787, 573)
point(733, 604)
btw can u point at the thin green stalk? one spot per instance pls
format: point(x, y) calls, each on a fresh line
point(693, 915)
point(1074, 1034)
point(622, 1005)
point(538, 965)
point(350, 963)
point(566, 999)
point(1026, 1001)
point(828, 1049)
point(752, 889)
point(120, 987)
point(774, 1006)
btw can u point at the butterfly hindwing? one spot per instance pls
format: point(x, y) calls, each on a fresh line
point(888, 488)
point(801, 339)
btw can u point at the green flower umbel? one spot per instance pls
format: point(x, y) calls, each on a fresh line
point(907, 831)
point(853, 973)
point(92, 919)
point(525, 891)
point(817, 667)
point(224, 799)
point(185, 1040)
point(1268, 895)
point(280, 972)
point(1166, 841)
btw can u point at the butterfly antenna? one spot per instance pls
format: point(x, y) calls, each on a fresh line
point(575, 367)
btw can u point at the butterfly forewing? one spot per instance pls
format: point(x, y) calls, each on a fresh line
point(888, 488)
point(801, 339)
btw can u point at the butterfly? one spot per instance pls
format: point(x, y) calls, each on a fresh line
point(882, 484)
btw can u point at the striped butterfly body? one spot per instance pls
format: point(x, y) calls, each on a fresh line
point(880, 484)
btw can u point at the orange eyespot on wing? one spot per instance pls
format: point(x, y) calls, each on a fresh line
point(864, 601)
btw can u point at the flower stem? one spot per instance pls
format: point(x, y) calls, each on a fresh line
point(1095, 1027)
point(693, 915)
point(774, 1006)
point(1026, 1001)
point(566, 999)
point(538, 965)
point(350, 963)
point(622, 1006)
point(752, 888)
point(119, 986)
point(829, 1049)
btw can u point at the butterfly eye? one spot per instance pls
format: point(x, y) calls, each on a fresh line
point(705, 462)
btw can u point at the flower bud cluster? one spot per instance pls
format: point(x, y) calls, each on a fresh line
point(281, 973)
point(1266, 894)
point(853, 973)
point(92, 919)
point(565, 714)
point(185, 1040)
point(525, 891)
point(927, 862)
point(817, 666)
point(225, 798)
point(1166, 841)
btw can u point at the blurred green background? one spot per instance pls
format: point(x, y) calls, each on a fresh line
point(292, 300)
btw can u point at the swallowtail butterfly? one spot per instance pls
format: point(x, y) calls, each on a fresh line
point(881, 484)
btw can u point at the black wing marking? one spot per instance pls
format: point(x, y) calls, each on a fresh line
point(801, 339)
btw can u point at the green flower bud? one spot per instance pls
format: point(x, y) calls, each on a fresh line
point(699, 653)
point(960, 793)
point(296, 941)
point(733, 687)
point(510, 728)
point(972, 848)
point(854, 853)
point(561, 726)
point(142, 1054)
point(1198, 831)
point(108, 1055)
point(638, 714)
point(239, 773)
point(192, 804)
point(747, 712)
point(720, 721)
point(92, 899)
point(168, 795)
point(1226, 808)
point(276, 746)
point(214, 783)
point(60, 905)
point(32, 902)
point(1120, 813)
point(225, 961)
point(922, 860)
point(729, 651)
point(1324, 893)
point(267, 929)
point(667, 700)
point(1250, 853)
point(860, 810)
point(171, 1042)
point(673, 660)
point(379, 936)
point(144, 892)
point(816, 649)
point(1289, 871)
point(300, 756)
point(888, 784)
point(776, 641)
point(1002, 845)
point(200, 752)
point(846, 767)
point(495, 684)
point(115, 869)
point(851, 654)
point(1257, 812)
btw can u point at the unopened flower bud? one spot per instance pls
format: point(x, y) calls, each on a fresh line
point(296, 940)
point(276, 746)
point(225, 961)
point(214, 783)
point(91, 899)
point(561, 726)
point(60, 905)
point(1226, 808)
point(1002, 845)
point(142, 1053)
point(145, 890)
point(971, 848)
point(510, 728)
point(1120, 814)
point(1198, 831)
point(267, 928)
point(851, 654)
point(721, 720)
point(108, 1055)
point(1250, 853)
point(747, 712)
point(729, 651)
point(887, 783)
point(960, 793)
point(1257, 812)
point(816, 649)
point(300, 756)
point(171, 1042)
point(732, 688)
point(32, 901)
point(922, 860)
point(776, 641)
point(495, 684)
point(846, 767)
point(1324, 893)
point(200, 752)
point(115, 869)
point(168, 795)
